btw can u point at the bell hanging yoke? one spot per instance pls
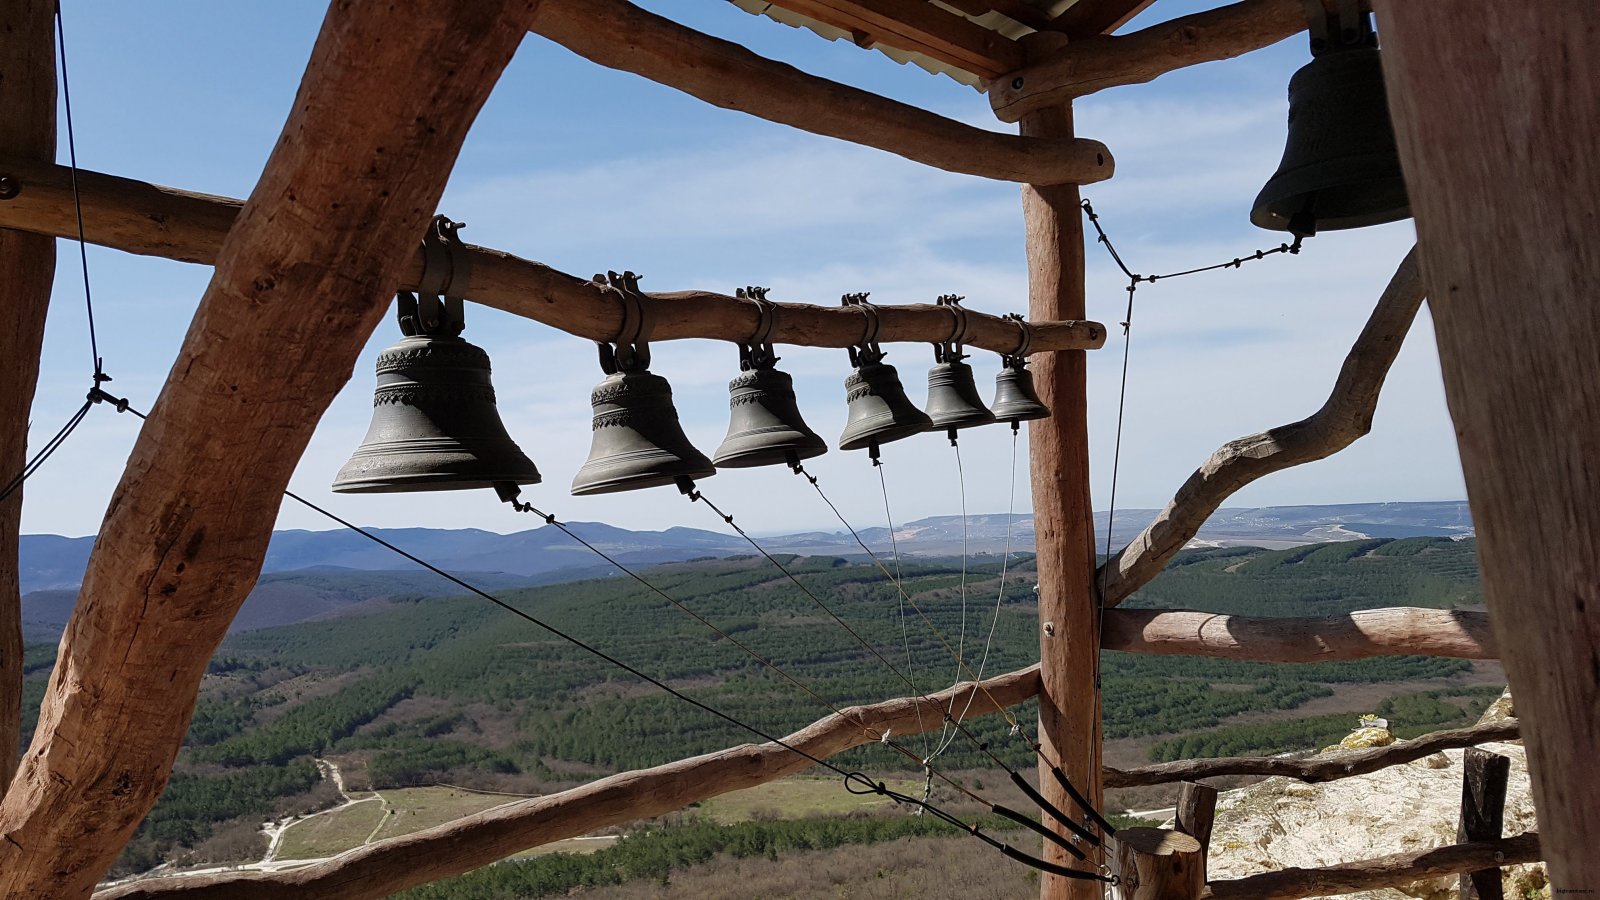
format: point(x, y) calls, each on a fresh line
point(764, 426)
point(1341, 167)
point(879, 410)
point(434, 425)
point(638, 441)
point(953, 401)
point(1015, 399)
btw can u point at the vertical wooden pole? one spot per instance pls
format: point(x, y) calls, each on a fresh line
point(1197, 813)
point(1497, 111)
point(28, 261)
point(1483, 808)
point(1069, 710)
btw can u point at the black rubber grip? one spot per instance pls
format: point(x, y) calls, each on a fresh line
point(1066, 822)
point(1050, 867)
point(1083, 802)
point(1033, 826)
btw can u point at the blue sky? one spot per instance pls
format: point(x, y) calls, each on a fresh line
point(587, 169)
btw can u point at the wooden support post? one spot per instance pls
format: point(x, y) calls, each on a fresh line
point(1069, 705)
point(28, 108)
point(1498, 113)
point(1483, 809)
point(1197, 812)
point(1157, 864)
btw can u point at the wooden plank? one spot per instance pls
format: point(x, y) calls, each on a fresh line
point(151, 220)
point(1327, 767)
point(378, 869)
point(28, 107)
point(1063, 519)
point(1197, 813)
point(1383, 872)
point(1344, 418)
point(300, 282)
point(1158, 864)
point(1497, 113)
point(1402, 631)
point(920, 27)
point(620, 35)
point(1484, 776)
point(1087, 18)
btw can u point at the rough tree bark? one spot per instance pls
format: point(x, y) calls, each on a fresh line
point(1390, 871)
point(1403, 631)
point(300, 283)
point(1497, 111)
point(28, 107)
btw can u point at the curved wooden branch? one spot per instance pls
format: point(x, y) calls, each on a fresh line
point(301, 281)
point(1328, 767)
point(1346, 416)
point(1395, 870)
point(151, 220)
point(1096, 63)
point(619, 35)
point(1403, 631)
point(379, 869)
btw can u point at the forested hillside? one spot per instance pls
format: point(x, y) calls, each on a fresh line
point(453, 689)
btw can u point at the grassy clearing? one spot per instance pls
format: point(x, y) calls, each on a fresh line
point(424, 807)
point(795, 798)
point(331, 833)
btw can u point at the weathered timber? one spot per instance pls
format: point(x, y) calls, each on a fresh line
point(1096, 63)
point(1058, 447)
point(28, 107)
point(1158, 864)
point(920, 27)
point(619, 35)
point(151, 220)
point(1484, 777)
point(1196, 813)
point(1087, 18)
point(1345, 417)
point(1454, 633)
point(1325, 767)
point(1497, 113)
point(378, 869)
point(300, 283)
point(1395, 870)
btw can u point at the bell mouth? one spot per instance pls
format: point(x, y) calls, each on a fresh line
point(755, 449)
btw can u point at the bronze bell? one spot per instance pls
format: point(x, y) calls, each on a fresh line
point(1015, 400)
point(434, 422)
point(638, 441)
point(880, 411)
point(953, 401)
point(1340, 167)
point(765, 427)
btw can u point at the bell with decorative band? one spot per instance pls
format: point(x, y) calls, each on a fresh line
point(879, 410)
point(764, 427)
point(638, 441)
point(434, 426)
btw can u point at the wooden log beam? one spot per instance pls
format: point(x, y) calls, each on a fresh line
point(1402, 631)
point(619, 35)
point(28, 107)
point(1096, 63)
point(1484, 778)
point(378, 869)
point(1087, 18)
point(1345, 417)
point(1327, 767)
point(301, 281)
point(1497, 114)
point(920, 27)
point(1196, 813)
point(1158, 864)
point(1394, 870)
point(151, 220)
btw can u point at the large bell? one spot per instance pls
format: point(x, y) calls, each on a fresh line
point(765, 427)
point(638, 441)
point(880, 411)
point(1340, 167)
point(953, 401)
point(434, 422)
point(1015, 400)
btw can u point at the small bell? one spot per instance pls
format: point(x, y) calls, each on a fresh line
point(880, 411)
point(1015, 399)
point(1340, 167)
point(953, 401)
point(765, 427)
point(638, 441)
point(434, 422)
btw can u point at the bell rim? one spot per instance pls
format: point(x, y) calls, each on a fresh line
point(756, 457)
point(638, 482)
point(428, 483)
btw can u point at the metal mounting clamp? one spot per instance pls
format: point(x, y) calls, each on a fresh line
point(865, 351)
point(961, 332)
point(629, 351)
point(757, 352)
point(1019, 356)
point(436, 308)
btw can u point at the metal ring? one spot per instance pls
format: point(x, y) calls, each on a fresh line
point(766, 316)
point(1024, 335)
point(870, 329)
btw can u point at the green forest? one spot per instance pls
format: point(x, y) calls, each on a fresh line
point(455, 690)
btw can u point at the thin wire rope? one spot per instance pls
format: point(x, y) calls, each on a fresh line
point(77, 198)
point(46, 451)
point(900, 604)
point(961, 640)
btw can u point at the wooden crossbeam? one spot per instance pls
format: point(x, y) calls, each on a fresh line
point(1395, 870)
point(1404, 631)
point(151, 220)
point(620, 35)
point(920, 27)
point(1091, 17)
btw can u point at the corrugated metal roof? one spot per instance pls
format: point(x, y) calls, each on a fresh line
point(993, 21)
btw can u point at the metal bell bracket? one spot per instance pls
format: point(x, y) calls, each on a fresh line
point(949, 350)
point(865, 352)
point(757, 352)
point(1350, 28)
point(1018, 358)
point(436, 309)
point(630, 350)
